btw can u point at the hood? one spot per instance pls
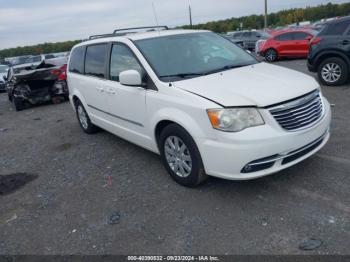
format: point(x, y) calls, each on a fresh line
point(256, 85)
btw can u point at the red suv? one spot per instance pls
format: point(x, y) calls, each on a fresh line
point(285, 44)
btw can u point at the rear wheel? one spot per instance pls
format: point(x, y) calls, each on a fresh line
point(84, 120)
point(333, 71)
point(181, 157)
point(271, 55)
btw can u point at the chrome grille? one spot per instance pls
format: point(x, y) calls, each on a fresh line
point(300, 113)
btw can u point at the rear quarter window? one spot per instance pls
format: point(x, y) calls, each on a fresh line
point(76, 62)
point(95, 60)
point(338, 28)
point(284, 37)
point(300, 36)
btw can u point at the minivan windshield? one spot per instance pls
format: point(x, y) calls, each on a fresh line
point(176, 57)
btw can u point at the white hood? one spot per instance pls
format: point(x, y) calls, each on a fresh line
point(260, 85)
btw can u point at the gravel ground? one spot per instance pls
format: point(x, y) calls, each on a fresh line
point(98, 194)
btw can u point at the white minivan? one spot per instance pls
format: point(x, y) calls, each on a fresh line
point(201, 102)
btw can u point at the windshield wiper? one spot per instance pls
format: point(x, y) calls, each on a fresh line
point(183, 75)
point(224, 68)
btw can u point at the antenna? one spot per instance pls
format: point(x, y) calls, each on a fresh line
point(190, 12)
point(155, 14)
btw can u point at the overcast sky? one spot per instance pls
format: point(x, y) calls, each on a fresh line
point(24, 22)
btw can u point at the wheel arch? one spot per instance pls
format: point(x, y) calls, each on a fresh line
point(75, 97)
point(329, 54)
point(176, 116)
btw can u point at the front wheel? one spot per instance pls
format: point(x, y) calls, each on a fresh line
point(333, 72)
point(84, 120)
point(18, 103)
point(181, 157)
point(271, 55)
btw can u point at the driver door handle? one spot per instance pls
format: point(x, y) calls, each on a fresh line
point(346, 42)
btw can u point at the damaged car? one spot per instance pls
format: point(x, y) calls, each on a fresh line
point(45, 83)
point(3, 73)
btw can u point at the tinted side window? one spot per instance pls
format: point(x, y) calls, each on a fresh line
point(95, 60)
point(236, 35)
point(122, 58)
point(336, 28)
point(76, 62)
point(284, 37)
point(300, 36)
point(256, 34)
point(246, 34)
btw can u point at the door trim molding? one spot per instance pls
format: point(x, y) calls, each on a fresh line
point(119, 117)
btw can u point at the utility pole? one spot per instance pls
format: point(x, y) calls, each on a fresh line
point(190, 13)
point(265, 14)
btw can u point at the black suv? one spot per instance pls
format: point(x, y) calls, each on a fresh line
point(329, 54)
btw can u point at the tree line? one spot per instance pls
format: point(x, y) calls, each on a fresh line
point(280, 18)
point(45, 48)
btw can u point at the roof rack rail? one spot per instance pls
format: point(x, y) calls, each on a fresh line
point(151, 28)
point(100, 36)
point(120, 32)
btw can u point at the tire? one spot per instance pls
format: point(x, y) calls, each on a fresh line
point(18, 104)
point(333, 71)
point(84, 119)
point(185, 168)
point(271, 55)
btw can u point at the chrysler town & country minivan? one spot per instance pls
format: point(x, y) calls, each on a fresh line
point(201, 102)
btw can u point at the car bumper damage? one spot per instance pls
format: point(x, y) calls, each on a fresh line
point(38, 86)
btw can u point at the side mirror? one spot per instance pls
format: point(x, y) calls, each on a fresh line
point(5, 78)
point(130, 78)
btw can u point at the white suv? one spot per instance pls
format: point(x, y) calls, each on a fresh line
point(202, 103)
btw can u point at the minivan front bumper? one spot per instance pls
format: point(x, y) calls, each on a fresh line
point(262, 150)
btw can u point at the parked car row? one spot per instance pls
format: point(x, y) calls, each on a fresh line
point(327, 51)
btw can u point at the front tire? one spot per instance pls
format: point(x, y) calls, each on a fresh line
point(271, 55)
point(181, 157)
point(333, 71)
point(84, 119)
point(18, 103)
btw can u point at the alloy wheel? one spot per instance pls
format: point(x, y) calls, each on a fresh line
point(331, 72)
point(82, 117)
point(271, 55)
point(178, 156)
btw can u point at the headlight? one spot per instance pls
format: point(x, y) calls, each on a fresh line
point(234, 119)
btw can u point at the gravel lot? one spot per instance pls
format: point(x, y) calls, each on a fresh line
point(98, 194)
